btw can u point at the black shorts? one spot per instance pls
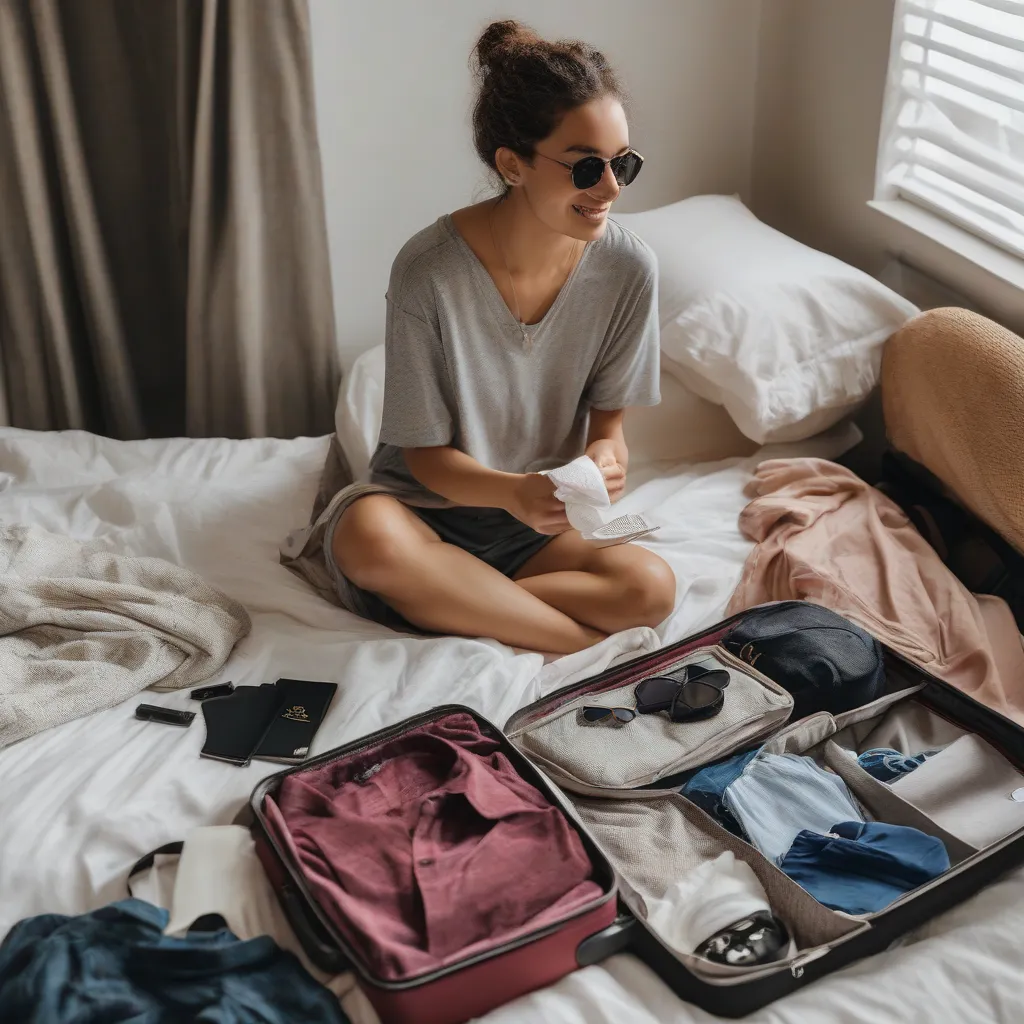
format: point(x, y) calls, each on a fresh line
point(490, 534)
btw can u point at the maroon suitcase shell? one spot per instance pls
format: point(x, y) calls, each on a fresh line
point(466, 988)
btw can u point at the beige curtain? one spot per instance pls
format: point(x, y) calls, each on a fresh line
point(163, 250)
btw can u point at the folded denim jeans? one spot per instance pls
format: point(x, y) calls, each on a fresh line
point(707, 789)
point(862, 867)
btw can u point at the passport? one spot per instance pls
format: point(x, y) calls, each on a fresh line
point(302, 707)
point(237, 723)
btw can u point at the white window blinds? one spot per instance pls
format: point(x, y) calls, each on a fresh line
point(953, 127)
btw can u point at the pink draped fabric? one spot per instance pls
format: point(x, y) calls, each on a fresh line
point(826, 536)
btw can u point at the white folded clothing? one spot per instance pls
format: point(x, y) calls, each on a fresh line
point(580, 484)
point(969, 789)
point(706, 901)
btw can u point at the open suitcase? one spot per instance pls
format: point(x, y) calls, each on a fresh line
point(621, 789)
point(952, 389)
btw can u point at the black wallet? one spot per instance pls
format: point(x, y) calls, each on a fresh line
point(271, 722)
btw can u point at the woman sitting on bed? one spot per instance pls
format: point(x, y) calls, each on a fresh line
point(518, 331)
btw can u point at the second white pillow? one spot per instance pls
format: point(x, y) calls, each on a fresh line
point(788, 339)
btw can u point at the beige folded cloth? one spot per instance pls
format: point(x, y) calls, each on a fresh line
point(968, 788)
point(83, 628)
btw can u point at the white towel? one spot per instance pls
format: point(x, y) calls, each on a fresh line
point(580, 484)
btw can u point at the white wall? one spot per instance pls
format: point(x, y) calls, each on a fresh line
point(821, 81)
point(822, 69)
point(394, 90)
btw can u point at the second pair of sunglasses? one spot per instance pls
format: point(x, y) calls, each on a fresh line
point(691, 694)
point(594, 713)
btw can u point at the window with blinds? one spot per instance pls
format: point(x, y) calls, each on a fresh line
point(953, 127)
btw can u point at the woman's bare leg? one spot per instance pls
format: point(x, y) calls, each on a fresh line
point(383, 547)
point(610, 589)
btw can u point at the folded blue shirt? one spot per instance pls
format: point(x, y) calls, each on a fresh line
point(707, 788)
point(778, 795)
point(862, 867)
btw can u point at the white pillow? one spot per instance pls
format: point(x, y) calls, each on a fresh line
point(683, 428)
point(788, 339)
point(360, 407)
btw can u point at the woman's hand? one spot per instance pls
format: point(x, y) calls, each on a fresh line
point(605, 454)
point(532, 501)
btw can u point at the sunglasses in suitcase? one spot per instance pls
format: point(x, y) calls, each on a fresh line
point(617, 777)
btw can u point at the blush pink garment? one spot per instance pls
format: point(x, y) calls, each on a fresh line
point(824, 535)
point(431, 847)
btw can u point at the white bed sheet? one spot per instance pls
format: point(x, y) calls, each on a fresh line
point(81, 802)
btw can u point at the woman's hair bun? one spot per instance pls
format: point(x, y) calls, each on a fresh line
point(526, 85)
point(500, 40)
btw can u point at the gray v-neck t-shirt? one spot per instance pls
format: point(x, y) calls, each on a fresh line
point(459, 373)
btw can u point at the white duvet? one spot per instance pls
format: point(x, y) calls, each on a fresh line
point(79, 803)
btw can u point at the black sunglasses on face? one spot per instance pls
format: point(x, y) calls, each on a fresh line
point(692, 694)
point(586, 173)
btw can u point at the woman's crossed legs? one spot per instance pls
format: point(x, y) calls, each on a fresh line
point(568, 596)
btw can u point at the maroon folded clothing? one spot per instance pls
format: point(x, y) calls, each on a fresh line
point(430, 845)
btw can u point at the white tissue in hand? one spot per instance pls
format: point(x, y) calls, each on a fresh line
point(580, 484)
point(580, 481)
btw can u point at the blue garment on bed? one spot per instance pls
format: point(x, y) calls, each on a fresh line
point(115, 965)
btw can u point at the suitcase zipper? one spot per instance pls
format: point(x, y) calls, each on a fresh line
point(796, 968)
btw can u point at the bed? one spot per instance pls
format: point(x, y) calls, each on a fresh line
point(82, 801)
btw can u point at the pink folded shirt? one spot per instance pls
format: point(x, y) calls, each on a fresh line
point(430, 845)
